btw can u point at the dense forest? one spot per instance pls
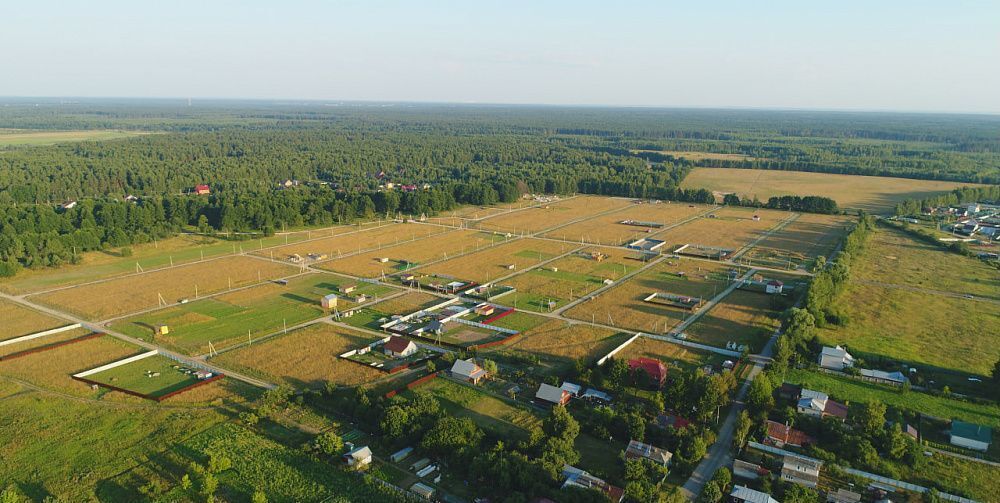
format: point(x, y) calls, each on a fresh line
point(344, 154)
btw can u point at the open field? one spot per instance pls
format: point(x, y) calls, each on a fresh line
point(28, 137)
point(729, 228)
point(121, 296)
point(177, 250)
point(699, 156)
point(977, 480)
point(411, 254)
point(492, 414)
point(623, 305)
point(41, 342)
point(743, 317)
point(487, 265)
point(669, 353)
point(800, 242)
point(547, 216)
point(52, 369)
point(567, 279)
point(557, 344)
point(355, 239)
point(407, 303)
point(154, 376)
point(919, 328)
point(892, 257)
point(850, 191)
point(19, 320)
point(474, 212)
point(226, 319)
point(303, 358)
point(608, 230)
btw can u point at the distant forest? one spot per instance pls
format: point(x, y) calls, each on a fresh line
point(342, 153)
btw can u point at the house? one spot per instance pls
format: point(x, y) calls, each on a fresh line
point(202, 190)
point(434, 327)
point(655, 369)
point(572, 389)
point(800, 470)
point(398, 347)
point(329, 301)
point(551, 395)
point(484, 309)
point(882, 377)
point(816, 404)
point(773, 287)
point(423, 490)
point(358, 456)
point(835, 358)
point(971, 436)
point(780, 435)
point(467, 370)
point(842, 496)
point(345, 289)
point(747, 470)
point(639, 450)
point(741, 494)
point(576, 477)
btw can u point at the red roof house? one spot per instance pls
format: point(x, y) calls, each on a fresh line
point(780, 435)
point(656, 370)
point(202, 190)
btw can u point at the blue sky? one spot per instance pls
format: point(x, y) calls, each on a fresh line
point(874, 55)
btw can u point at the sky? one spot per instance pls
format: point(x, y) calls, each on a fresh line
point(859, 55)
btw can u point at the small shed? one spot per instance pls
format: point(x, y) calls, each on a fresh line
point(329, 301)
point(161, 329)
point(423, 490)
point(348, 288)
point(551, 395)
point(774, 287)
point(398, 347)
point(358, 456)
point(485, 309)
point(971, 436)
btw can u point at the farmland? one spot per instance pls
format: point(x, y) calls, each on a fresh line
point(850, 191)
point(412, 254)
point(547, 216)
point(18, 321)
point(52, 369)
point(121, 296)
point(492, 263)
point(349, 240)
point(304, 358)
point(609, 230)
point(26, 137)
point(799, 243)
point(229, 317)
point(41, 342)
point(567, 279)
point(729, 228)
point(558, 344)
point(742, 317)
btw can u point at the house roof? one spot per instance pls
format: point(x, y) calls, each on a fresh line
point(790, 389)
point(835, 409)
point(361, 452)
point(664, 420)
point(573, 389)
point(837, 352)
point(653, 453)
point(550, 393)
point(593, 393)
point(775, 282)
point(750, 495)
point(896, 376)
point(330, 296)
point(655, 368)
point(786, 434)
point(971, 431)
point(467, 368)
point(796, 462)
point(398, 344)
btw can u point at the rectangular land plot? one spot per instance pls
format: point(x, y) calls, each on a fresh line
point(53, 369)
point(490, 413)
point(743, 317)
point(154, 376)
point(547, 216)
point(227, 318)
point(304, 358)
point(19, 320)
point(798, 243)
point(623, 305)
point(492, 263)
point(609, 230)
point(354, 240)
point(669, 353)
point(729, 228)
point(122, 296)
point(41, 343)
point(558, 344)
point(411, 254)
point(568, 278)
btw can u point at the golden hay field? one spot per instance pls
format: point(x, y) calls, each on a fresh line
point(623, 306)
point(551, 215)
point(408, 303)
point(438, 247)
point(730, 228)
point(668, 353)
point(489, 264)
point(42, 341)
point(19, 320)
point(558, 344)
point(134, 293)
point(478, 212)
point(370, 238)
point(52, 369)
point(743, 317)
point(804, 239)
point(568, 278)
point(850, 191)
point(305, 358)
point(607, 230)
point(699, 156)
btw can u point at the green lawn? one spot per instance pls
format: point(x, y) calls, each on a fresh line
point(974, 480)
point(850, 390)
point(141, 376)
point(497, 416)
point(225, 319)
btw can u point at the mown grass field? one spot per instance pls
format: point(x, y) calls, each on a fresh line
point(121, 296)
point(407, 255)
point(566, 279)
point(137, 376)
point(800, 242)
point(28, 137)
point(547, 216)
point(558, 344)
point(850, 191)
point(669, 353)
point(608, 230)
point(743, 317)
point(623, 306)
point(42, 341)
point(304, 358)
point(226, 319)
point(489, 264)
point(354, 239)
point(19, 320)
point(728, 228)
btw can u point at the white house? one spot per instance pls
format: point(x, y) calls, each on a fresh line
point(329, 301)
point(774, 287)
point(741, 494)
point(801, 470)
point(971, 436)
point(835, 358)
point(398, 347)
point(817, 404)
point(468, 370)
